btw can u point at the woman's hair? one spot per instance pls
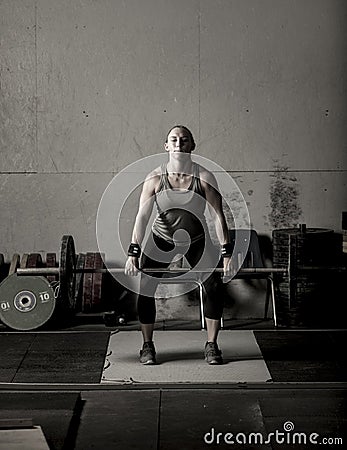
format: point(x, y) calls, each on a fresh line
point(185, 129)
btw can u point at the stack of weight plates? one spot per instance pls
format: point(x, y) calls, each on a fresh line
point(301, 295)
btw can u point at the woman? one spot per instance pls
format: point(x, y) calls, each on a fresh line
point(180, 191)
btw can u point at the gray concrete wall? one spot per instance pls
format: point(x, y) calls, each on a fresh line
point(90, 86)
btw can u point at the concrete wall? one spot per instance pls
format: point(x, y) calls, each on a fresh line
point(90, 86)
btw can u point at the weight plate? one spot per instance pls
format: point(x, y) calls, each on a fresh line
point(78, 282)
point(97, 283)
point(2, 267)
point(88, 283)
point(283, 232)
point(24, 261)
point(15, 262)
point(34, 261)
point(66, 272)
point(51, 261)
point(26, 303)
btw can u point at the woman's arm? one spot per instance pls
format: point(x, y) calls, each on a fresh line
point(215, 206)
point(142, 217)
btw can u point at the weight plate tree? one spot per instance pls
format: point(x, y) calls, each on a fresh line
point(300, 291)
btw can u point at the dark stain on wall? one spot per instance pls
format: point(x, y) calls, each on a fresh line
point(284, 199)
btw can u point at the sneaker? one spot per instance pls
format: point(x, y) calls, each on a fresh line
point(213, 355)
point(147, 354)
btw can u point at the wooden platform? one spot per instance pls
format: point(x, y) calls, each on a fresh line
point(180, 359)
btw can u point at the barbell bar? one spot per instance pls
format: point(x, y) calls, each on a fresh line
point(243, 271)
point(55, 270)
point(67, 269)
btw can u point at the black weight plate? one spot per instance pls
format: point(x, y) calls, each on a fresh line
point(24, 261)
point(26, 303)
point(283, 232)
point(2, 267)
point(78, 282)
point(51, 261)
point(88, 283)
point(97, 283)
point(34, 261)
point(66, 272)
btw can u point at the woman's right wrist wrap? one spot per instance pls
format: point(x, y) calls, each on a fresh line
point(134, 250)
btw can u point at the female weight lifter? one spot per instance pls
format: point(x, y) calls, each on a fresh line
point(180, 191)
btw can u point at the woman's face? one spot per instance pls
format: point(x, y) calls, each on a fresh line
point(179, 140)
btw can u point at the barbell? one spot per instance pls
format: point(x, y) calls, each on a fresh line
point(248, 270)
point(22, 292)
point(68, 268)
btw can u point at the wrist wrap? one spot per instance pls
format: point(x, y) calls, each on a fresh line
point(134, 250)
point(227, 250)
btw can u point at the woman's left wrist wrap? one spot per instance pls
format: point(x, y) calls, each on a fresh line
point(227, 250)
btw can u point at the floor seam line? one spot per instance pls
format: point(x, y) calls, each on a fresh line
point(24, 356)
point(159, 419)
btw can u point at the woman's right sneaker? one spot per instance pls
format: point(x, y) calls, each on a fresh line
point(147, 354)
point(213, 355)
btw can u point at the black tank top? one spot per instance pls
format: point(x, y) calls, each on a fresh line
point(181, 213)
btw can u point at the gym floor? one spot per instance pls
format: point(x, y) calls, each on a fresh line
point(54, 379)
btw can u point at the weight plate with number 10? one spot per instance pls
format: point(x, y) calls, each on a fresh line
point(26, 303)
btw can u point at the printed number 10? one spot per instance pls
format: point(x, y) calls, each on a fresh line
point(44, 297)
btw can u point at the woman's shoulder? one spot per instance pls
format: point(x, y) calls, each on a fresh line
point(154, 176)
point(206, 176)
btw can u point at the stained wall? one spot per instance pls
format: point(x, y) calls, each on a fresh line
point(91, 86)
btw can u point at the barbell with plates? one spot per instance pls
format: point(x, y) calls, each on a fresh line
point(28, 300)
point(31, 264)
point(27, 303)
point(69, 267)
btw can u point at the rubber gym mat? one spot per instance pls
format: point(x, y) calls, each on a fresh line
point(304, 355)
point(180, 358)
point(55, 412)
point(119, 419)
point(200, 418)
point(181, 418)
point(63, 357)
point(13, 348)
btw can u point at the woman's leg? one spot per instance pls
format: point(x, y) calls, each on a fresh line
point(152, 258)
point(204, 254)
point(213, 298)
